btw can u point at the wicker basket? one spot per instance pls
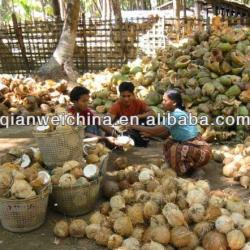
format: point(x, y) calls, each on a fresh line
point(74, 201)
point(58, 147)
point(24, 215)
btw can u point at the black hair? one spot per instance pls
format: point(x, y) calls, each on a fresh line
point(175, 96)
point(126, 86)
point(77, 92)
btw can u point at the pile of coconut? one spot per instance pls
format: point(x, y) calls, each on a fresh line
point(161, 211)
point(124, 175)
point(22, 175)
point(236, 161)
point(74, 173)
point(28, 97)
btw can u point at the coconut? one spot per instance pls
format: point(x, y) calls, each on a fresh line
point(160, 234)
point(102, 236)
point(131, 243)
point(110, 188)
point(197, 212)
point(123, 226)
point(150, 208)
point(105, 208)
point(245, 181)
point(174, 216)
point(153, 246)
point(235, 205)
point(90, 171)
point(67, 180)
point(91, 230)
point(197, 196)
point(138, 233)
point(142, 196)
point(216, 201)
point(25, 161)
point(117, 202)
point(121, 163)
point(92, 159)
point(61, 229)
point(180, 236)
point(21, 189)
point(212, 213)
point(5, 180)
point(214, 240)
point(97, 218)
point(238, 219)
point(128, 195)
point(114, 241)
point(157, 220)
point(236, 239)
point(224, 224)
point(69, 165)
point(202, 228)
point(135, 213)
point(77, 228)
point(146, 175)
point(245, 228)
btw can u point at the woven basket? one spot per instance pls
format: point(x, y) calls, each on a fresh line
point(74, 201)
point(24, 215)
point(57, 147)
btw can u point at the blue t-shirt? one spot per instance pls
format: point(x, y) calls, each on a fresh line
point(182, 129)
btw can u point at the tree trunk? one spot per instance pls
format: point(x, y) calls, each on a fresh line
point(60, 65)
point(56, 9)
point(117, 11)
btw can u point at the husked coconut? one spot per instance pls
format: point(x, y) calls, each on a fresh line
point(224, 224)
point(115, 241)
point(131, 243)
point(236, 239)
point(5, 179)
point(90, 171)
point(21, 189)
point(26, 161)
point(150, 208)
point(91, 230)
point(67, 180)
point(117, 202)
point(135, 213)
point(69, 165)
point(214, 240)
point(77, 228)
point(61, 229)
point(123, 226)
point(102, 236)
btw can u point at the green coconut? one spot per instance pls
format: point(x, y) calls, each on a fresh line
point(233, 91)
point(242, 45)
point(149, 78)
point(219, 86)
point(125, 69)
point(182, 61)
point(226, 80)
point(225, 67)
point(225, 47)
point(135, 70)
point(242, 111)
point(203, 74)
point(238, 58)
point(118, 78)
point(153, 98)
point(102, 94)
point(237, 71)
point(158, 110)
point(97, 102)
point(208, 89)
point(204, 80)
point(108, 104)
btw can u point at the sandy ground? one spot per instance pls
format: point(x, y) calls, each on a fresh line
point(43, 238)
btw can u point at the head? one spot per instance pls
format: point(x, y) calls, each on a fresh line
point(126, 90)
point(171, 100)
point(80, 97)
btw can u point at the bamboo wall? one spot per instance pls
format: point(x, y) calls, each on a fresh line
point(25, 46)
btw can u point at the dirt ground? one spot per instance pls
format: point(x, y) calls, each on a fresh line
point(43, 238)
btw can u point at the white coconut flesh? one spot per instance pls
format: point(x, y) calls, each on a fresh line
point(45, 177)
point(42, 128)
point(90, 171)
point(25, 161)
point(122, 140)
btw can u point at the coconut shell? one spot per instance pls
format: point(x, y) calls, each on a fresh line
point(110, 188)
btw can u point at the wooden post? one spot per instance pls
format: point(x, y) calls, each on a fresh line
point(85, 43)
point(19, 36)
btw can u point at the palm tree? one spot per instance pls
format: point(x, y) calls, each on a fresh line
point(60, 65)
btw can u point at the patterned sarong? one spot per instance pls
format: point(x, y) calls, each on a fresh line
point(184, 156)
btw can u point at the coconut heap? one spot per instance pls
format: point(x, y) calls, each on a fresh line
point(21, 174)
point(211, 70)
point(28, 97)
point(162, 211)
point(236, 161)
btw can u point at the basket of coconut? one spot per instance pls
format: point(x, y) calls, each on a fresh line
point(76, 187)
point(23, 205)
point(59, 144)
